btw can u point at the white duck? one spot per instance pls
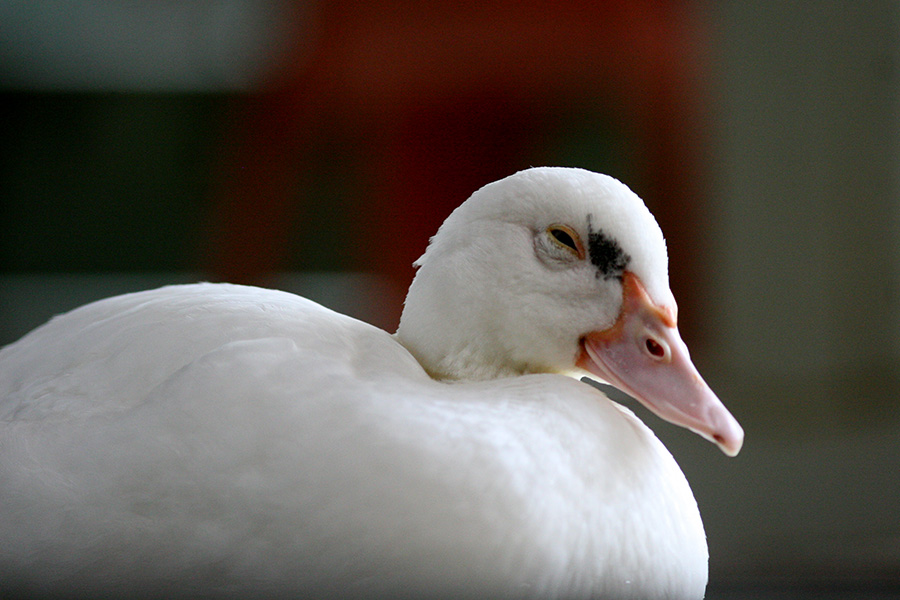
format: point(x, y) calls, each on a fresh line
point(225, 441)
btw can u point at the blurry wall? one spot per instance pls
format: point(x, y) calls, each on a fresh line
point(239, 140)
point(804, 183)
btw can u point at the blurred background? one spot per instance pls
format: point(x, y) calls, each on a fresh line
point(316, 146)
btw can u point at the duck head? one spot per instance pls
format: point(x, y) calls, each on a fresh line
point(559, 270)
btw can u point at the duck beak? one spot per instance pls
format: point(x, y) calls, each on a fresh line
point(643, 355)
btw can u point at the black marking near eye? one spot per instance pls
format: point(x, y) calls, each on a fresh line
point(606, 254)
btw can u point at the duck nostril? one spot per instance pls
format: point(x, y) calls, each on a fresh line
point(655, 349)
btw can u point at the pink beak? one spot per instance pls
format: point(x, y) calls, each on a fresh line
point(643, 355)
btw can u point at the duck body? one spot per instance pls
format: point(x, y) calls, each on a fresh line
point(223, 441)
point(215, 469)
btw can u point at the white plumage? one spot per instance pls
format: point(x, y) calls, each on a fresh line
point(214, 440)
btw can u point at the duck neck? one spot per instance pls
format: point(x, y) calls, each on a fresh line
point(445, 327)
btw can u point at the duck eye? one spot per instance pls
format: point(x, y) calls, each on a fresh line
point(565, 236)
